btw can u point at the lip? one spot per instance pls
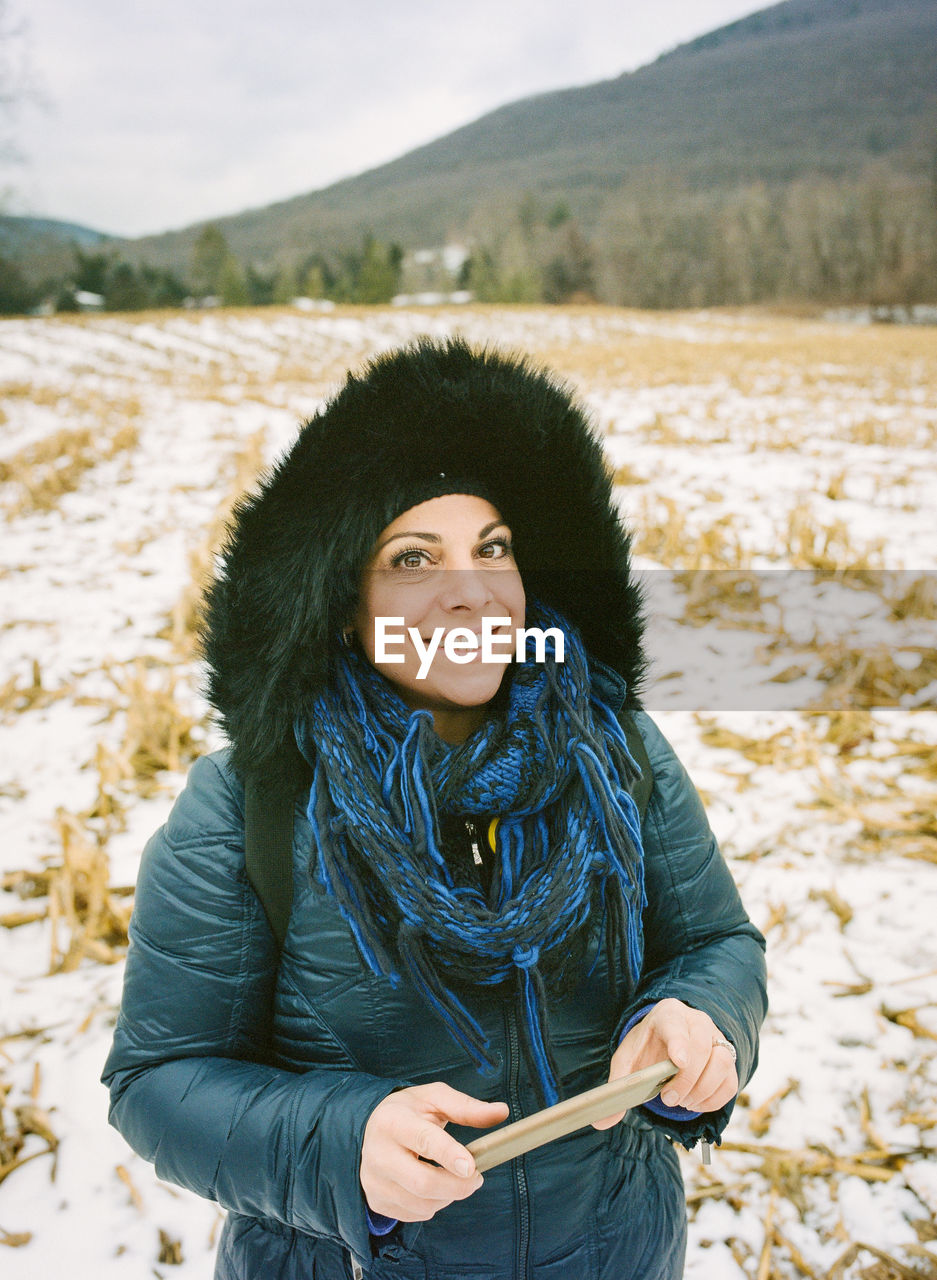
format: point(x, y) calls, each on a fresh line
point(477, 652)
point(495, 631)
point(478, 638)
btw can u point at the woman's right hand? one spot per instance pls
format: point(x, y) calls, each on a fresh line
point(404, 1133)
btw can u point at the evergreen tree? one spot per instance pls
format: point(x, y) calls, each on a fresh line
point(232, 284)
point(260, 287)
point(315, 280)
point(284, 286)
point(209, 258)
point(123, 289)
point(570, 274)
point(480, 276)
point(16, 295)
point(164, 289)
point(378, 277)
point(91, 271)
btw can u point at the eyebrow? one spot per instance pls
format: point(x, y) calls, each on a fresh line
point(434, 537)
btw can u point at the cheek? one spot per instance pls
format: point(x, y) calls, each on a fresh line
point(513, 598)
point(385, 599)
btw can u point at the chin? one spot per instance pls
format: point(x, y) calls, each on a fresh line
point(463, 691)
point(463, 698)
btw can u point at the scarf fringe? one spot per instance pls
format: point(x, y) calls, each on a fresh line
point(464, 1029)
point(533, 1003)
point(558, 773)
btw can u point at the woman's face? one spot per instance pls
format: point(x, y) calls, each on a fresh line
point(443, 564)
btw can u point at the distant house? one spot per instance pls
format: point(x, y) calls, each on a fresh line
point(85, 300)
point(432, 276)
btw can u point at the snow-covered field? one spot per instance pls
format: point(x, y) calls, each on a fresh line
point(743, 445)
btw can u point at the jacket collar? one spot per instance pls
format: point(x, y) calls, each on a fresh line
point(608, 684)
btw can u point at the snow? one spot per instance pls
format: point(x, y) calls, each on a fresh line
point(744, 416)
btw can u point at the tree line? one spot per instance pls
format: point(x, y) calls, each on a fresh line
point(661, 243)
point(658, 242)
point(215, 277)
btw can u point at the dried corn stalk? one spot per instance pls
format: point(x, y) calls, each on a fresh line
point(158, 734)
point(18, 1123)
point(185, 622)
point(43, 472)
point(17, 696)
point(81, 902)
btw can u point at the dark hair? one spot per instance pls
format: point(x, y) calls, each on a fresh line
point(289, 572)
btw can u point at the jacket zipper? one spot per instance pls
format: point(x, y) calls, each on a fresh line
point(476, 847)
point(520, 1176)
point(520, 1173)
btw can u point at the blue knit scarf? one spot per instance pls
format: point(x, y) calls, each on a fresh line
point(554, 767)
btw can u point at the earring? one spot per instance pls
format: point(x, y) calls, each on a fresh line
point(348, 636)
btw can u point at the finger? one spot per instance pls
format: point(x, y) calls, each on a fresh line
point(388, 1192)
point(405, 1207)
point(430, 1142)
point(620, 1068)
point(707, 1072)
point(462, 1108)
point(674, 1031)
point(713, 1077)
point(413, 1190)
point(641, 1047)
point(699, 1050)
point(718, 1084)
point(664, 1032)
point(420, 1187)
point(609, 1121)
point(717, 1100)
point(414, 1133)
point(431, 1182)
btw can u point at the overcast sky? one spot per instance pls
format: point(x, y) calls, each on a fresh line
point(160, 113)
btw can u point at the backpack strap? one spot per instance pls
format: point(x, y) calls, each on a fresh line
point(645, 784)
point(268, 850)
point(268, 833)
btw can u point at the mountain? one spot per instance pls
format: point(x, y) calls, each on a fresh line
point(43, 245)
point(821, 89)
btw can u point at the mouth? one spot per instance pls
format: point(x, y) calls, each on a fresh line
point(495, 631)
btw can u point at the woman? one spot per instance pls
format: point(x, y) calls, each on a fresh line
point(480, 919)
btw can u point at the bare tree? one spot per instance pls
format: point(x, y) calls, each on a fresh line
point(17, 86)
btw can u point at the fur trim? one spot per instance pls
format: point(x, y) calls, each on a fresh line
point(288, 574)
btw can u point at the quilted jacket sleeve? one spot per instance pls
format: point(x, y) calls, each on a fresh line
point(699, 944)
point(190, 1090)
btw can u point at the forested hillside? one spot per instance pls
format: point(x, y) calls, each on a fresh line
point(791, 154)
point(787, 157)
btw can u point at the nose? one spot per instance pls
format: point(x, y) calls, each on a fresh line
point(466, 589)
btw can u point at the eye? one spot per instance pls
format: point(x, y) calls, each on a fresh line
point(496, 548)
point(411, 558)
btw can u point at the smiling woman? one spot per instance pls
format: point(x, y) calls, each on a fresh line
point(503, 888)
point(442, 566)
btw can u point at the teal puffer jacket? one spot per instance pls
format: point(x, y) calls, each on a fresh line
point(249, 1077)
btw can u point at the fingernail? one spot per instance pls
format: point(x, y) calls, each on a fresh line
point(463, 1167)
point(670, 1098)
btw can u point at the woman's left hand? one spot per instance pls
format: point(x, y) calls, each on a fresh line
point(707, 1078)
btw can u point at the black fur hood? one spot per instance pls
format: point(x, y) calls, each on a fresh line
point(288, 574)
